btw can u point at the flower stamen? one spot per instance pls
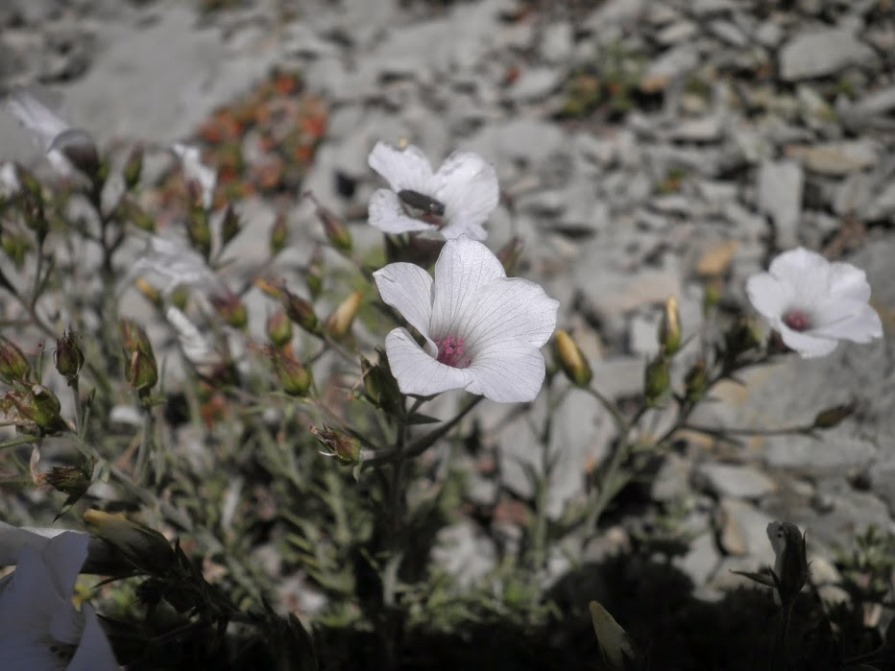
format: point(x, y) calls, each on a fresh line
point(425, 208)
point(797, 320)
point(451, 351)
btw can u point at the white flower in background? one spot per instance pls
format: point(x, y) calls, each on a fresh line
point(196, 347)
point(482, 330)
point(40, 629)
point(455, 201)
point(172, 263)
point(814, 303)
point(68, 149)
point(196, 172)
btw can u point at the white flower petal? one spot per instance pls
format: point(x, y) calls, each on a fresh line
point(408, 289)
point(463, 268)
point(849, 283)
point(807, 345)
point(36, 117)
point(806, 272)
point(195, 347)
point(386, 214)
point(510, 309)
point(94, 652)
point(467, 186)
point(848, 320)
point(402, 169)
point(418, 372)
point(196, 171)
point(508, 372)
point(769, 295)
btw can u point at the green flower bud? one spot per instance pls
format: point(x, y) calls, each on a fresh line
point(279, 235)
point(340, 445)
point(380, 385)
point(294, 378)
point(696, 382)
point(199, 231)
point(133, 167)
point(572, 360)
point(338, 324)
point(279, 329)
point(300, 311)
point(231, 309)
point(657, 380)
point(68, 357)
point(14, 366)
point(230, 226)
point(143, 547)
point(670, 328)
point(831, 417)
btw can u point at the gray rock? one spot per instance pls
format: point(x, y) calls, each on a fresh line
point(742, 530)
point(769, 33)
point(854, 195)
point(729, 32)
point(558, 42)
point(780, 187)
point(676, 33)
point(673, 479)
point(742, 482)
point(536, 83)
point(671, 66)
point(701, 560)
point(610, 294)
point(840, 158)
point(836, 450)
point(706, 129)
point(822, 53)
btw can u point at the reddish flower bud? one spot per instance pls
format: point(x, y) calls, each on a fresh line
point(14, 366)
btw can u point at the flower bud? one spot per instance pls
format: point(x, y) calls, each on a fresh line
point(141, 370)
point(657, 380)
point(279, 329)
point(510, 253)
point(279, 235)
point(696, 382)
point(150, 293)
point(230, 226)
point(14, 367)
point(670, 328)
point(230, 308)
point(571, 359)
point(68, 357)
point(74, 481)
point(791, 565)
point(295, 379)
point(380, 385)
point(133, 167)
point(143, 547)
point(340, 445)
point(79, 148)
point(299, 311)
point(199, 231)
point(832, 417)
point(335, 229)
point(314, 273)
point(180, 296)
point(338, 324)
point(36, 409)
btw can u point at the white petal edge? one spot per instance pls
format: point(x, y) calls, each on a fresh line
point(408, 289)
point(402, 169)
point(385, 213)
point(508, 372)
point(94, 652)
point(467, 185)
point(849, 282)
point(768, 295)
point(36, 117)
point(807, 345)
point(417, 372)
point(463, 268)
point(509, 309)
point(849, 320)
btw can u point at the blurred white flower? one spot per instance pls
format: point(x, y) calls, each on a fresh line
point(40, 629)
point(172, 263)
point(455, 201)
point(196, 347)
point(482, 330)
point(196, 172)
point(814, 303)
point(68, 149)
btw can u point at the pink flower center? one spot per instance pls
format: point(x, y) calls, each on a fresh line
point(797, 320)
point(451, 352)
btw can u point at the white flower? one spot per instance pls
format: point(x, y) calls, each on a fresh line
point(482, 330)
point(814, 303)
point(172, 263)
point(40, 629)
point(196, 172)
point(456, 200)
point(195, 347)
point(67, 148)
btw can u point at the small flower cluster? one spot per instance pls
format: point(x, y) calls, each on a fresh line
point(480, 330)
